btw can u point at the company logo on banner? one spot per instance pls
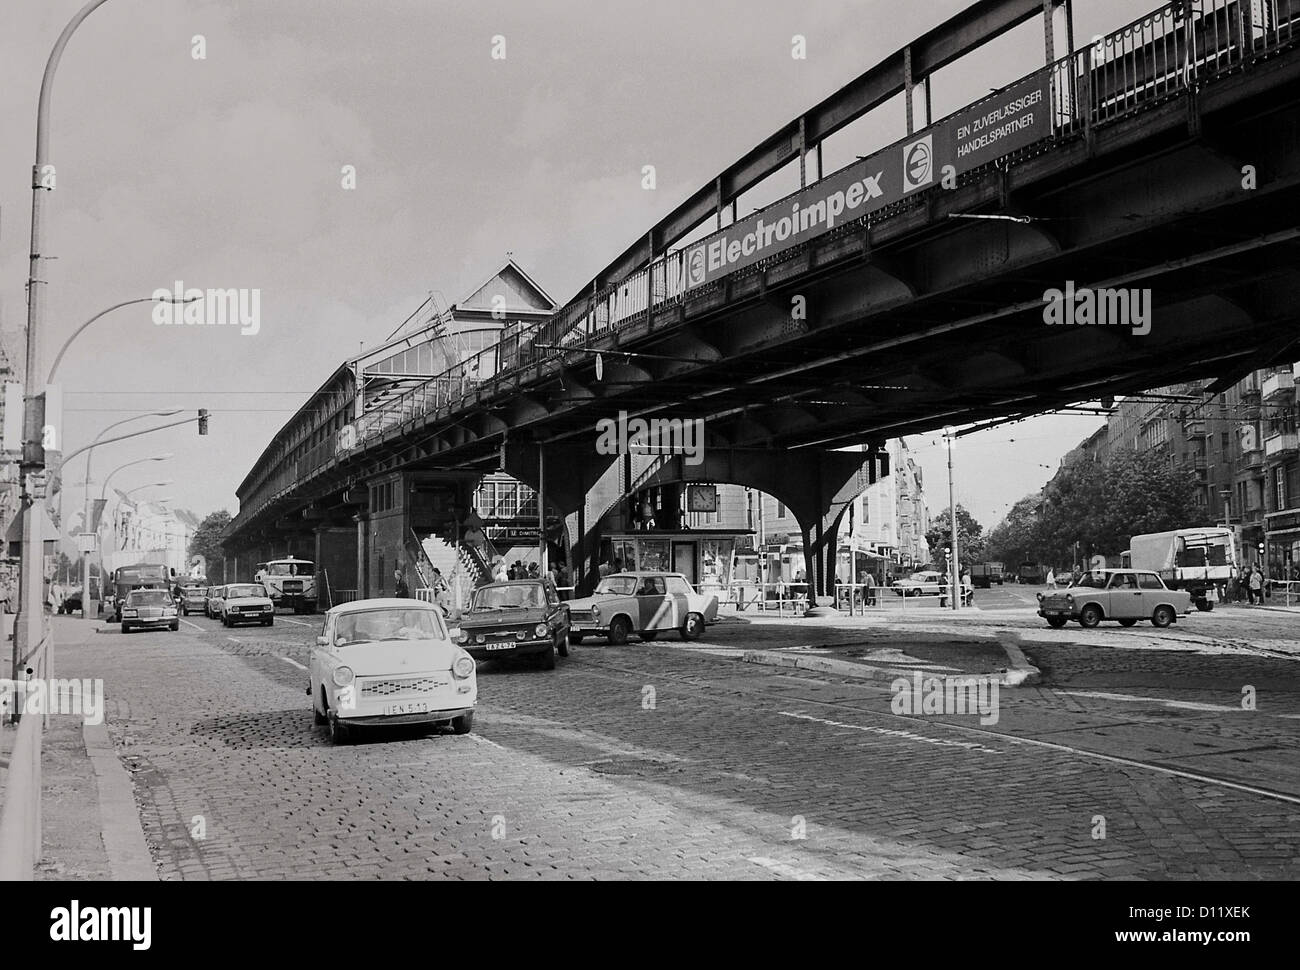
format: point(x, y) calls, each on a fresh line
point(918, 164)
point(997, 126)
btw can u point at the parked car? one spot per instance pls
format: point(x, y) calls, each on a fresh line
point(1125, 595)
point(930, 582)
point(644, 603)
point(191, 595)
point(389, 661)
point(246, 603)
point(212, 602)
point(149, 609)
point(515, 619)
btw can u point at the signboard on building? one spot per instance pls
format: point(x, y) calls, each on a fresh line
point(998, 125)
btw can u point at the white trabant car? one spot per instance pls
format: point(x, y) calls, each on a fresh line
point(389, 661)
point(1126, 595)
point(644, 603)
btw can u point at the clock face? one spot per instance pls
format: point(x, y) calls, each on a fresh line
point(702, 500)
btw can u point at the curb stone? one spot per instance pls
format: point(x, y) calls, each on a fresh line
point(128, 854)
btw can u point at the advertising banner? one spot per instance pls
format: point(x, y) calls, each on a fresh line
point(1015, 117)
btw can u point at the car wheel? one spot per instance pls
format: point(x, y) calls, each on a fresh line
point(269, 621)
point(225, 620)
point(648, 636)
point(1056, 622)
point(1127, 622)
point(562, 646)
point(693, 628)
point(317, 717)
point(463, 724)
point(176, 626)
point(184, 611)
point(619, 629)
point(575, 638)
point(1204, 605)
point(340, 733)
point(126, 628)
point(547, 660)
point(1091, 616)
point(1163, 616)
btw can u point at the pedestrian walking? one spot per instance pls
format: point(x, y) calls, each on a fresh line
point(1255, 587)
point(400, 589)
point(499, 573)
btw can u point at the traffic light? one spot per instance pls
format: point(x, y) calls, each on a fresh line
point(203, 420)
point(1260, 548)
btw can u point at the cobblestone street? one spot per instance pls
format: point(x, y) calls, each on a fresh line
point(1133, 758)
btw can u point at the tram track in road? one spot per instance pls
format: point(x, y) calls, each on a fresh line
point(981, 734)
point(774, 690)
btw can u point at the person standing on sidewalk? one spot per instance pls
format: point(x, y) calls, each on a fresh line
point(1255, 587)
point(400, 589)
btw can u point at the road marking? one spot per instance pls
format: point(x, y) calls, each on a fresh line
point(234, 640)
point(1187, 705)
point(479, 739)
point(295, 663)
point(781, 869)
point(908, 735)
point(285, 619)
point(195, 625)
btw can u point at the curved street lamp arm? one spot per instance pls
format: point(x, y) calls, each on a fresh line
point(76, 333)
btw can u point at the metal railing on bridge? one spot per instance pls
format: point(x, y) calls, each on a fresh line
point(1177, 48)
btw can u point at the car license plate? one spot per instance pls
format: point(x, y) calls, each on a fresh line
point(500, 646)
point(415, 707)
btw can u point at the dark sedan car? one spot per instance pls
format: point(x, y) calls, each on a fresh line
point(514, 619)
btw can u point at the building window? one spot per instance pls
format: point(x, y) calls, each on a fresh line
point(1279, 477)
point(780, 510)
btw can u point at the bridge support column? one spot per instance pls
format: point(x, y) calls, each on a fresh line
point(336, 561)
point(582, 486)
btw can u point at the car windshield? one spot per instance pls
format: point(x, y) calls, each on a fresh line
point(234, 592)
point(370, 626)
point(510, 597)
point(1092, 580)
point(149, 597)
point(618, 585)
point(288, 569)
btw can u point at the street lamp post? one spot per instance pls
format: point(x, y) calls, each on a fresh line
point(103, 494)
point(31, 616)
point(950, 438)
point(86, 510)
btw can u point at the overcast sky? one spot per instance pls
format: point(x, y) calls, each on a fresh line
point(226, 172)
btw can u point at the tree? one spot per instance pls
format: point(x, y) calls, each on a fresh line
point(1016, 538)
point(207, 537)
point(1101, 506)
point(970, 536)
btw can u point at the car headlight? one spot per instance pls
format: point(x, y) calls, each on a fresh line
point(480, 639)
point(463, 667)
point(170, 611)
point(595, 612)
point(343, 676)
point(1040, 597)
point(541, 629)
point(521, 634)
point(1069, 598)
point(462, 637)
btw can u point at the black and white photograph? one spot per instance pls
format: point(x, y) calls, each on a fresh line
point(651, 441)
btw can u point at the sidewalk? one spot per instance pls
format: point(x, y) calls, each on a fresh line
point(91, 827)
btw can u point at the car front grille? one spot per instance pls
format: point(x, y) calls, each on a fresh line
point(382, 687)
